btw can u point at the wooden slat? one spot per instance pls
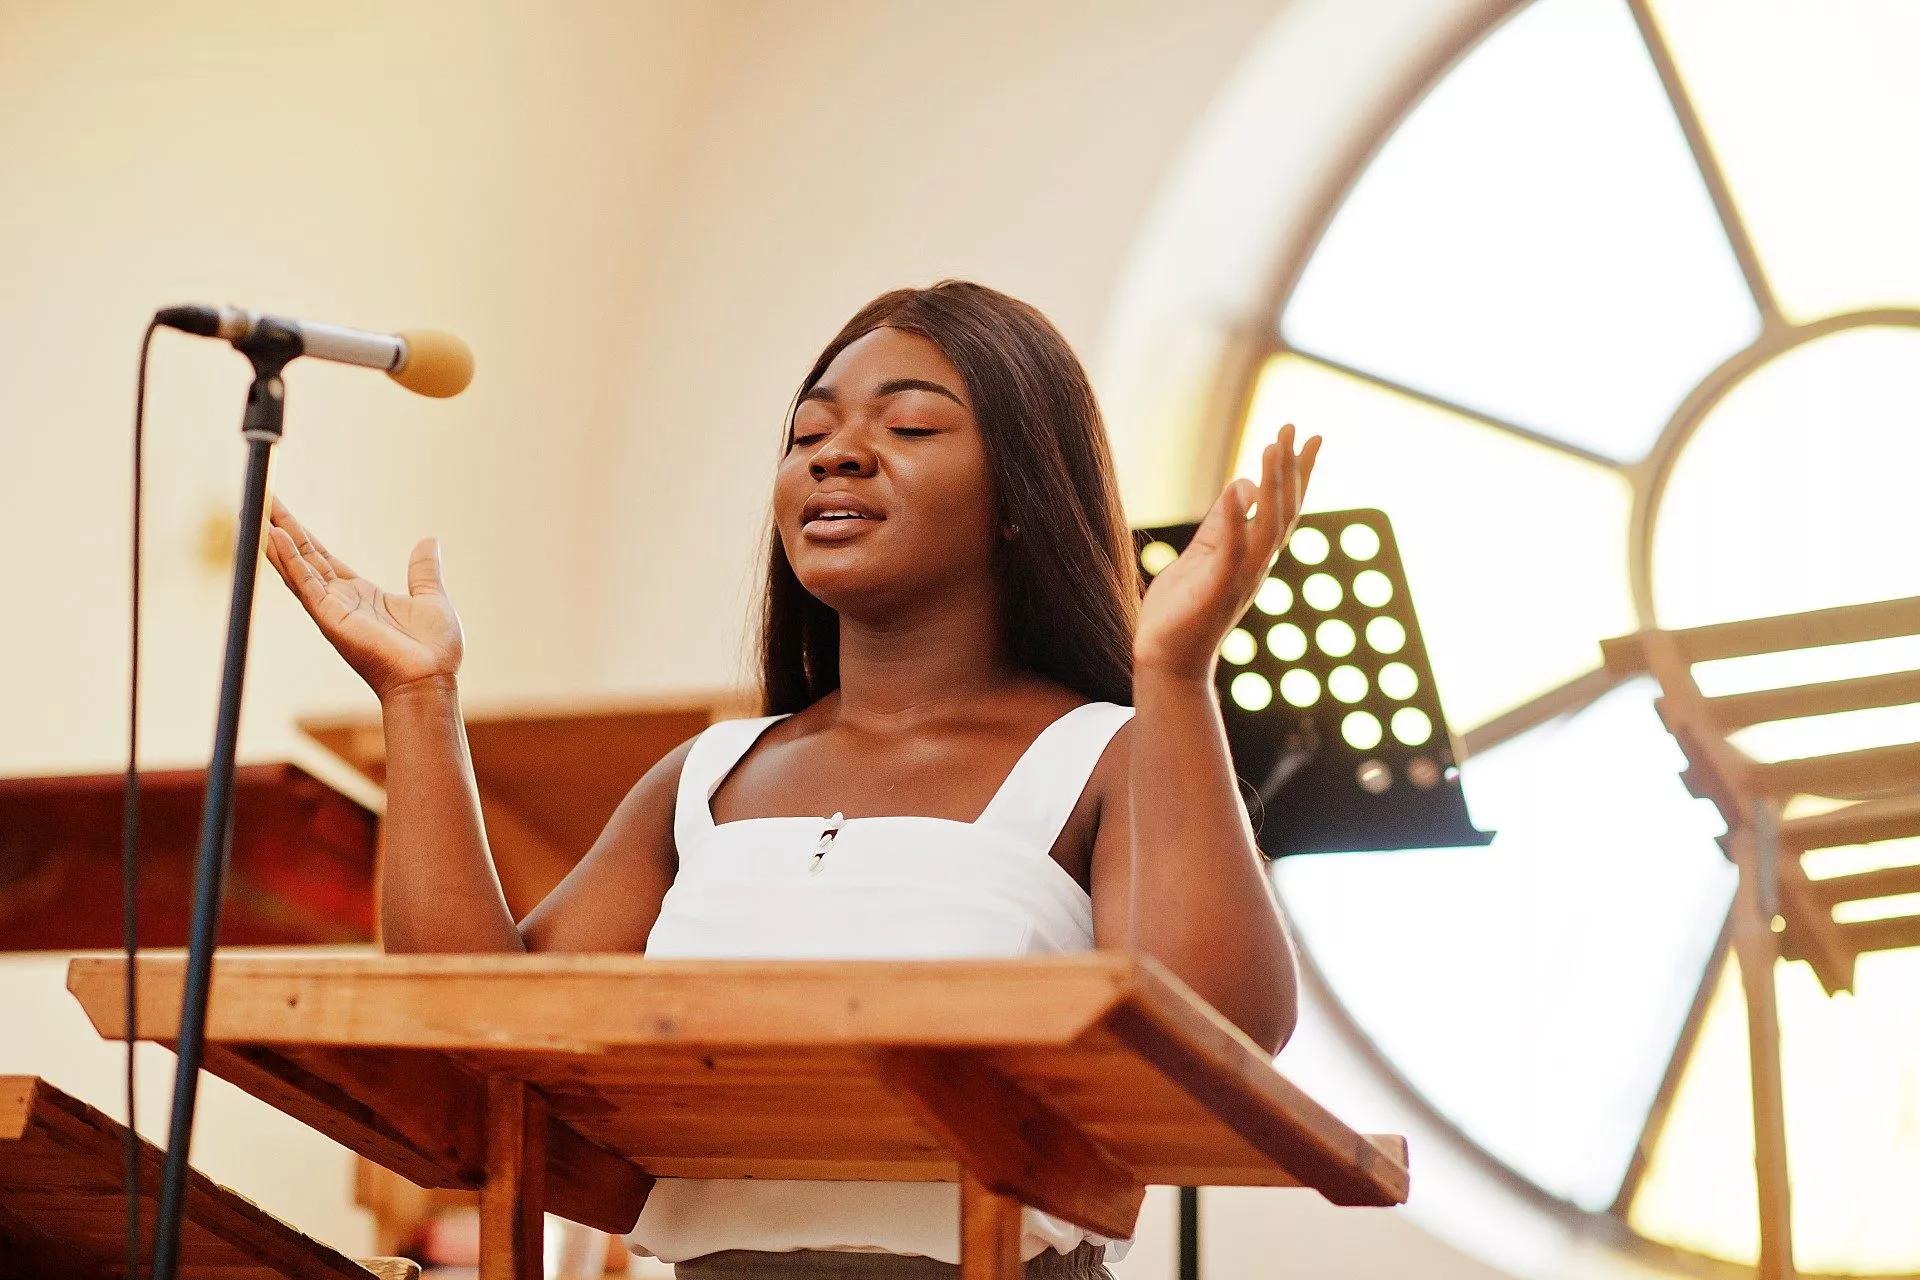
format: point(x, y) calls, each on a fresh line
point(1882, 882)
point(1013, 1143)
point(1739, 710)
point(1882, 935)
point(1845, 624)
point(1845, 773)
point(62, 1201)
point(1862, 822)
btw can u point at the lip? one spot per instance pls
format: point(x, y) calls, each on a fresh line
point(816, 527)
point(836, 530)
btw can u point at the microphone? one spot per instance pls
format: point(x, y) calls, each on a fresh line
point(426, 361)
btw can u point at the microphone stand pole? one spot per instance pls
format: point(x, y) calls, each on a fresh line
point(270, 348)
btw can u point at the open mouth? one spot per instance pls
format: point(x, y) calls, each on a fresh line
point(836, 525)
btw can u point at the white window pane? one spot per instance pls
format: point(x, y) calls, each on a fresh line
point(1797, 491)
point(1850, 1072)
point(1534, 241)
point(1812, 110)
point(1533, 990)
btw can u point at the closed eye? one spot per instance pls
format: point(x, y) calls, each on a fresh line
point(916, 432)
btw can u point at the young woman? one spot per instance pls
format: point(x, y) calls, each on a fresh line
point(979, 740)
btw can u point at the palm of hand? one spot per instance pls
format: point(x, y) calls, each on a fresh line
point(359, 609)
point(389, 638)
point(1194, 601)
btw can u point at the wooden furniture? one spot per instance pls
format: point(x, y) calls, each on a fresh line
point(1778, 910)
point(1064, 1082)
point(302, 860)
point(549, 777)
point(62, 1205)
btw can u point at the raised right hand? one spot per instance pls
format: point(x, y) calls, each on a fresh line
point(391, 640)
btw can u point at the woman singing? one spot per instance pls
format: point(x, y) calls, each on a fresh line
point(978, 740)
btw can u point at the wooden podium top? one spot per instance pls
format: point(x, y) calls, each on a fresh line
point(1072, 1081)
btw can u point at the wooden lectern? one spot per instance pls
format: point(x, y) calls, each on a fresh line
point(568, 1083)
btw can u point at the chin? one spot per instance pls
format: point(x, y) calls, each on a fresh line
point(855, 589)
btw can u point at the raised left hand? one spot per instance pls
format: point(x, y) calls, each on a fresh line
point(1192, 604)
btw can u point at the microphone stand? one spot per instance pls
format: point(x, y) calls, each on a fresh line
point(269, 348)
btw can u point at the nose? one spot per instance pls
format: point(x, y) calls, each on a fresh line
point(841, 455)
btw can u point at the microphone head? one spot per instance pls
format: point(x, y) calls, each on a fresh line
point(437, 364)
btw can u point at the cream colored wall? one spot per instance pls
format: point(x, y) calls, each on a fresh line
point(489, 170)
point(495, 170)
point(845, 149)
point(701, 192)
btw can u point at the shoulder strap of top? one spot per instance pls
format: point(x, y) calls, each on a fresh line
point(715, 750)
point(1037, 798)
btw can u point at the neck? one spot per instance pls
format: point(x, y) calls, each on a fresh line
point(918, 663)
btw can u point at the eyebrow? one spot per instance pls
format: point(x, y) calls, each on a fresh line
point(893, 386)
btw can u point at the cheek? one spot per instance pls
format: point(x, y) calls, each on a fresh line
point(953, 501)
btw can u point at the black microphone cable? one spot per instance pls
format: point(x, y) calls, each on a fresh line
point(130, 814)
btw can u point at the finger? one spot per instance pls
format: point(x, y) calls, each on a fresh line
point(299, 575)
point(282, 517)
point(423, 569)
point(331, 563)
point(1308, 456)
point(303, 541)
point(324, 562)
point(1264, 530)
point(1222, 519)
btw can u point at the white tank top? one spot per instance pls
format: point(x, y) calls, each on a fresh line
point(888, 888)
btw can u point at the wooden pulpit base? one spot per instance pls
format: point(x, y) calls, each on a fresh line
point(568, 1084)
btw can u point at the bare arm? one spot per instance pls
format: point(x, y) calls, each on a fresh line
point(1173, 842)
point(438, 889)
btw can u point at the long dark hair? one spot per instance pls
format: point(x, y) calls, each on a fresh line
point(1069, 590)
